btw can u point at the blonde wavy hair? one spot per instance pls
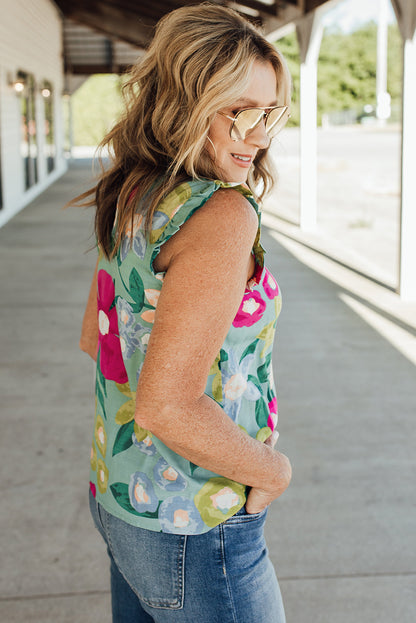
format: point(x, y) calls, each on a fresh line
point(198, 63)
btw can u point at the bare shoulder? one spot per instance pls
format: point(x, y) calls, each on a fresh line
point(226, 225)
point(230, 209)
point(227, 216)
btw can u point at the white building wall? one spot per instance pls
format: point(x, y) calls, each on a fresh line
point(30, 41)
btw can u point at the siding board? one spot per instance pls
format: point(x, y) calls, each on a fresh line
point(31, 41)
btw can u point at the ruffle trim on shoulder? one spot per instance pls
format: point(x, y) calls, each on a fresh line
point(179, 205)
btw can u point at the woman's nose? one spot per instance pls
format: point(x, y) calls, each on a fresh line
point(258, 136)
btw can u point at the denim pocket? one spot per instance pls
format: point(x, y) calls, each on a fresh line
point(243, 517)
point(153, 563)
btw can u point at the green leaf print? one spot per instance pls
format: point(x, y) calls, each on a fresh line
point(100, 375)
point(124, 438)
point(263, 371)
point(136, 289)
point(250, 349)
point(262, 413)
point(255, 382)
point(100, 397)
point(120, 492)
point(192, 467)
point(223, 357)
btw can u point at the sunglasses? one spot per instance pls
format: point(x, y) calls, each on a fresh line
point(247, 119)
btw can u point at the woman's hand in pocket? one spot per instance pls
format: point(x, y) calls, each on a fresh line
point(259, 498)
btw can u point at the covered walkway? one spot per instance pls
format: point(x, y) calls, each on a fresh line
point(342, 537)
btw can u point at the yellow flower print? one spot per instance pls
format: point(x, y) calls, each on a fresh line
point(217, 380)
point(102, 476)
point(263, 433)
point(267, 335)
point(168, 208)
point(100, 435)
point(93, 458)
point(126, 412)
point(124, 388)
point(219, 499)
point(142, 434)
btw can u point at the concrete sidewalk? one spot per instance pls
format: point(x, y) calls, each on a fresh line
point(343, 537)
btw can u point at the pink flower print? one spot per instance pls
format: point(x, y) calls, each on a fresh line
point(272, 420)
point(111, 359)
point(93, 489)
point(270, 285)
point(250, 311)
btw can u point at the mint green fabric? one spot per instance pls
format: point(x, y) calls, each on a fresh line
point(133, 474)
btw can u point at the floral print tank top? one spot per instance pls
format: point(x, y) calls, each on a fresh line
point(133, 474)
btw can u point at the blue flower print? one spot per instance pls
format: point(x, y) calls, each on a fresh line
point(159, 219)
point(141, 493)
point(179, 515)
point(167, 477)
point(146, 446)
point(133, 336)
point(134, 238)
point(138, 372)
point(235, 383)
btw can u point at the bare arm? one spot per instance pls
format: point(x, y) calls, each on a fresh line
point(207, 267)
point(89, 332)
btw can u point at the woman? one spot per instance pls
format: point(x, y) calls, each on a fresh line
point(183, 465)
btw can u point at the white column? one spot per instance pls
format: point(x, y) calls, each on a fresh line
point(407, 278)
point(309, 32)
point(406, 18)
point(383, 97)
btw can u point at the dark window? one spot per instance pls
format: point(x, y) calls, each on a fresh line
point(29, 148)
point(49, 129)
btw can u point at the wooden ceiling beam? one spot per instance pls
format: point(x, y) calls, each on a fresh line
point(131, 27)
point(86, 69)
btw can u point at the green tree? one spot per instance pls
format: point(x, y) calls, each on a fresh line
point(96, 105)
point(347, 69)
point(288, 46)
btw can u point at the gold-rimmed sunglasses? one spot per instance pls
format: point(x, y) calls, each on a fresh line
point(247, 119)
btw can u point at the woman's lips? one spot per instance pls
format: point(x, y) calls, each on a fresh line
point(242, 160)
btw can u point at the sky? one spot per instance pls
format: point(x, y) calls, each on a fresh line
point(348, 15)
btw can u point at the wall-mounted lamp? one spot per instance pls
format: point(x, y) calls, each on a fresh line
point(45, 89)
point(18, 84)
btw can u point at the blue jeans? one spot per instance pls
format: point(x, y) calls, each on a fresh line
point(222, 576)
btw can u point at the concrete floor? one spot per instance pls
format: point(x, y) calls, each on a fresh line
point(343, 537)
